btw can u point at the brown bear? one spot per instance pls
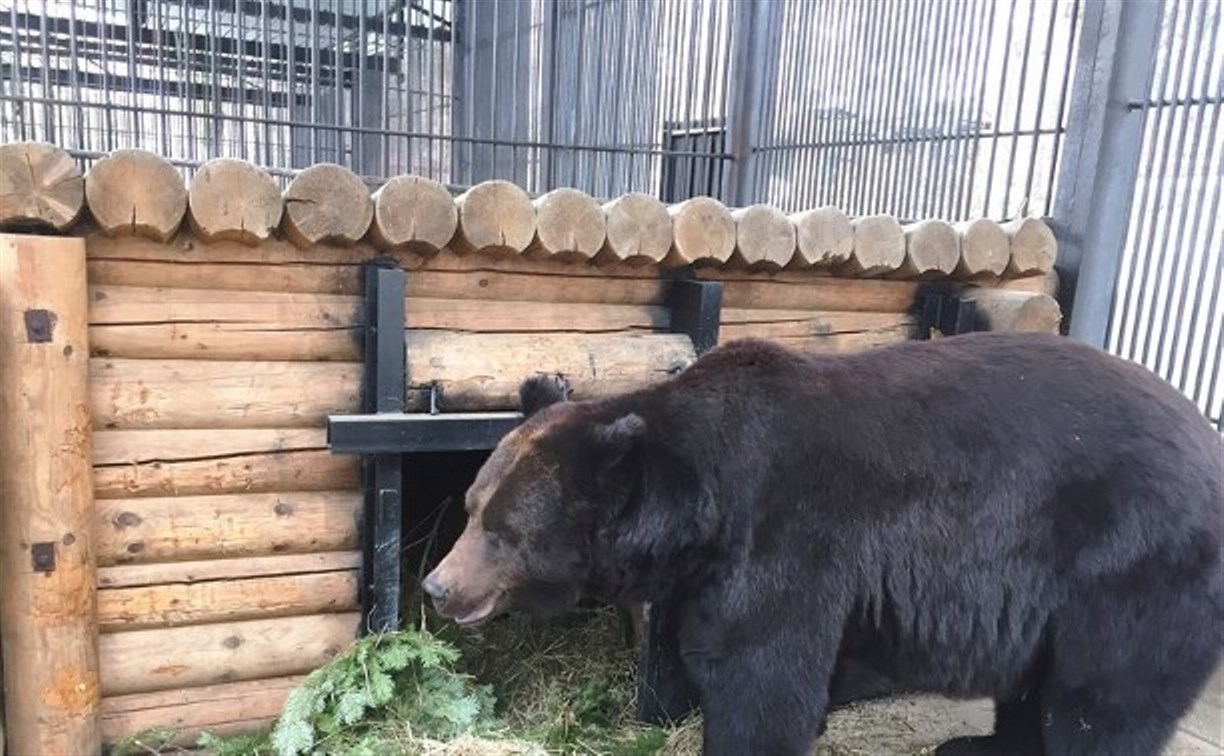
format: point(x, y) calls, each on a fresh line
point(1008, 515)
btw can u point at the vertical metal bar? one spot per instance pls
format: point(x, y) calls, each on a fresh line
point(1041, 100)
point(900, 19)
point(756, 26)
point(75, 83)
point(596, 90)
point(105, 65)
point(950, 151)
point(998, 112)
point(1096, 180)
point(866, 103)
point(471, 89)
point(1161, 250)
point(48, 121)
point(1150, 211)
point(811, 162)
point(1172, 327)
point(384, 393)
point(1020, 86)
point(981, 66)
point(933, 135)
point(1060, 123)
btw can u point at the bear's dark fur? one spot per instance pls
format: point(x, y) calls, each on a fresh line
point(1014, 516)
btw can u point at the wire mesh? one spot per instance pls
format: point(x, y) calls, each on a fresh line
point(1167, 310)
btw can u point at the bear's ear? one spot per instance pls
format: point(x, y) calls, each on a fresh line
point(540, 391)
point(615, 440)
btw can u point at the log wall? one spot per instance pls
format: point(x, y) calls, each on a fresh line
point(225, 323)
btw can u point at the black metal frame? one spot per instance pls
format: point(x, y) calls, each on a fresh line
point(385, 433)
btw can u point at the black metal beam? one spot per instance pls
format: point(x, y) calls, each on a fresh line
point(383, 392)
point(409, 433)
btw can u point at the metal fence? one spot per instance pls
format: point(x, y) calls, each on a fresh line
point(1167, 312)
point(1101, 114)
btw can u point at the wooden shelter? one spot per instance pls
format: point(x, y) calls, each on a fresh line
point(178, 546)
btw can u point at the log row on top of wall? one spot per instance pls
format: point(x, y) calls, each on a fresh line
point(131, 192)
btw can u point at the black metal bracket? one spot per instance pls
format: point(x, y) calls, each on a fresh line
point(383, 394)
point(385, 432)
point(947, 312)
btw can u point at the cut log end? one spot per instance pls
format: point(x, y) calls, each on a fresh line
point(879, 247)
point(764, 237)
point(704, 232)
point(495, 216)
point(1005, 310)
point(233, 200)
point(415, 214)
point(327, 203)
point(40, 187)
point(639, 229)
point(985, 249)
point(824, 238)
point(1033, 247)
point(133, 192)
point(932, 250)
point(569, 225)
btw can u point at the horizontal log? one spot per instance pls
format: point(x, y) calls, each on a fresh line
point(764, 237)
point(494, 216)
point(798, 290)
point(1033, 247)
point(569, 225)
point(1047, 284)
point(879, 247)
point(824, 238)
point(985, 249)
point(413, 213)
point(327, 204)
point(224, 709)
point(483, 371)
point(639, 229)
point(841, 343)
point(175, 462)
point(186, 528)
point(932, 250)
point(1003, 310)
point(232, 199)
point(819, 325)
point(136, 192)
point(143, 661)
point(187, 573)
point(703, 232)
point(198, 394)
point(202, 602)
point(41, 187)
point(212, 324)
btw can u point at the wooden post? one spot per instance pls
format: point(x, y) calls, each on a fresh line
point(48, 623)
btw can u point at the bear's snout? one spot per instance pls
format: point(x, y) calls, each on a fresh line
point(434, 588)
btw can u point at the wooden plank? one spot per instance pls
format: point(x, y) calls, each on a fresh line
point(223, 709)
point(804, 290)
point(821, 326)
point(484, 371)
point(229, 600)
point(167, 462)
point(143, 661)
point(200, 394)
point(841, 343)
point(187, 573)
point(181, 528)
point(47, 623)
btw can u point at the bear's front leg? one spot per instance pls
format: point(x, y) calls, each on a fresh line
point(763, 685)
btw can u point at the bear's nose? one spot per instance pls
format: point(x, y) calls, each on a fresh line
point(434, 588)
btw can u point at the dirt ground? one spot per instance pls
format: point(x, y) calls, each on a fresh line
point(916, 724)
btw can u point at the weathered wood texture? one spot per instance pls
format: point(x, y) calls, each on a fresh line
point(703, 231)
point(879, 247)
point(569, 225)
point(327, 204)
point(229, 600)
point(152, 529)
point(764, 237)
point(639, 229)
point(146, 661)
point(818, 331)
point(1033, 247)
point(200, 394)
point(178, 462)
point(223, 709)
point(413, 213)
point(985, 249)
point(233, 200)
point(824, 238)
point(932, 250)
point(136, 192)
point(48, 627)
point(40, 187)
point(483, 371)
point(1003, 310)
point(189, 573)
point(495, 216)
